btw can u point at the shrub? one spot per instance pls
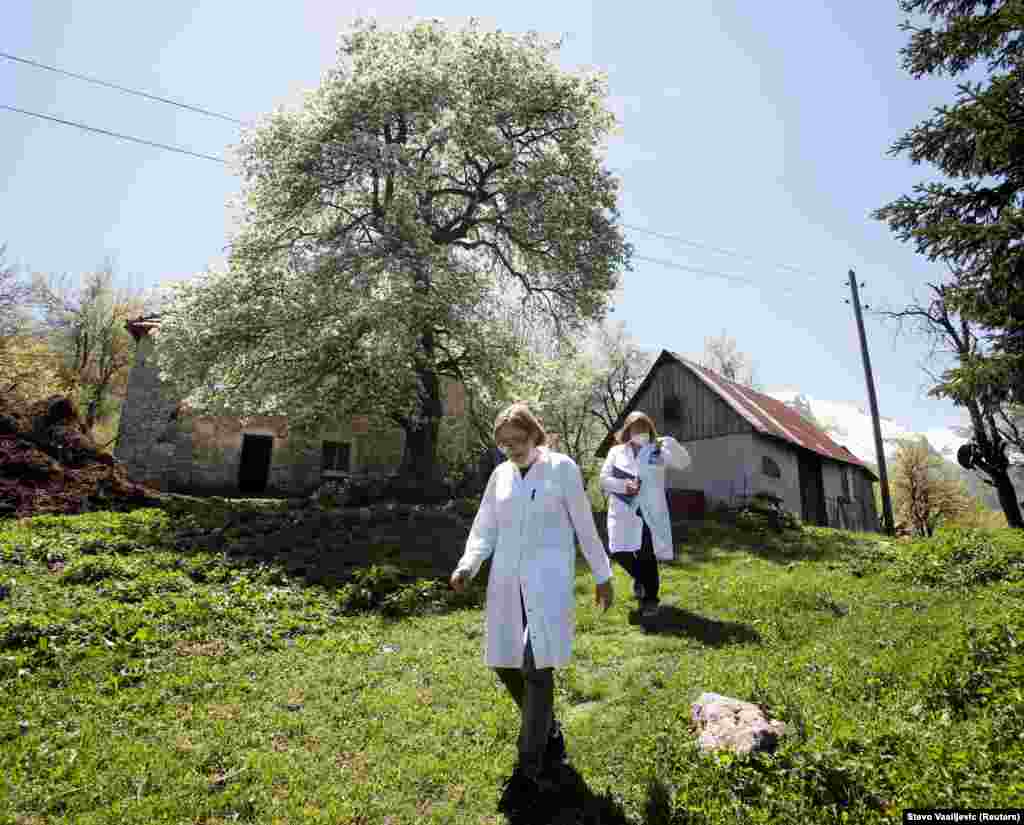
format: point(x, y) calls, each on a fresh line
point(90, 570)
point(368, 589)
point(761, 512)
point(963, 557)
point(985, 668)
point(18, 633)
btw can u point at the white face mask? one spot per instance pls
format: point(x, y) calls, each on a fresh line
point(640, 439)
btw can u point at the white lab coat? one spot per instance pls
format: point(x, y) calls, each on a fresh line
point(625, 527)
point(527, 525)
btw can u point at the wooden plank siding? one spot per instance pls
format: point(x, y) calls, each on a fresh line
point(704, 414)
point(865, 494)
point(732, 429)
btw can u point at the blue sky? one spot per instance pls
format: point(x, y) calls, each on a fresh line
point(760, 128)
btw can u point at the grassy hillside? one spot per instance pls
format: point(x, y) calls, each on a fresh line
point(146, 684)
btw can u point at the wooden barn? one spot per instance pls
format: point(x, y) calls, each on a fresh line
point(743, 443)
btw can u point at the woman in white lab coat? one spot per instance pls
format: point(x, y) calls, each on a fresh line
point(533, 504)
point(639, 526)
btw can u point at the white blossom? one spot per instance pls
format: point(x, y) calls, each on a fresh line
point(434, 172)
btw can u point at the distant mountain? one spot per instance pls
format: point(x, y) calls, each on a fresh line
point(848, 423)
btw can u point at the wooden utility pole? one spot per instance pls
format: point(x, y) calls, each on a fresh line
point(887, 521)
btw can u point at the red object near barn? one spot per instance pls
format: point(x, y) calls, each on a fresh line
point(685, 504)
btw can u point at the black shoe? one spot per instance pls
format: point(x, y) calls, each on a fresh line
point(554, 754)
point(649, 609)
point(520, 793)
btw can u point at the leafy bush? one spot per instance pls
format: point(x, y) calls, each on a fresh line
point(963, 557)
point(91, 570)
point(985, 668)
point(16, 633)
point(369, 588)
point(763, 513)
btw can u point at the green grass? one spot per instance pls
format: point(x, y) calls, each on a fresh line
point(146, 685)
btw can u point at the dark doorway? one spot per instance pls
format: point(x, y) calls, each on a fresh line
point(812, 489)
point(254, 467)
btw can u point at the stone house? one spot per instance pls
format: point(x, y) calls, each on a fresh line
point(222, 455)
point(743, 442)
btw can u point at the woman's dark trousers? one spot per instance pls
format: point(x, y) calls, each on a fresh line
point(533, 690)
point(643, 567)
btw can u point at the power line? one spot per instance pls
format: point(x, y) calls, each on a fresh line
point(713, 273)
point(114, 134)
point(795, 269)
point(660, 261)
point(674, 238)
point(124, 89)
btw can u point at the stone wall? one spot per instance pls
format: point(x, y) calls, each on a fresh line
point(201, 454)
point(147, 438)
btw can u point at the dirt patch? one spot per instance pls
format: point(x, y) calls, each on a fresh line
point(215, 648)
point(48, 464)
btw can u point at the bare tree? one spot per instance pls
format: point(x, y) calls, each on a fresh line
point(923, 495)
point(621, 366)
point(15, 296)
point(954, 335)
point(721, 355)
point(88, 326)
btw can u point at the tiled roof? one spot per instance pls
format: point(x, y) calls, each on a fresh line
point(765, 414)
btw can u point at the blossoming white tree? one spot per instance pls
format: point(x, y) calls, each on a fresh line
point(431, 167)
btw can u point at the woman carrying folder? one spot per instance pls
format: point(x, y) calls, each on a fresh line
point(639, 527)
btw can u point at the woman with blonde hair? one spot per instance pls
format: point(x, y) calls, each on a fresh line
point(533, 504)
point(639, 526)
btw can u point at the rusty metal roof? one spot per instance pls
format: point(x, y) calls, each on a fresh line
point(765, 414)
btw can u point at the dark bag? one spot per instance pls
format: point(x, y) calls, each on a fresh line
point(617, 472)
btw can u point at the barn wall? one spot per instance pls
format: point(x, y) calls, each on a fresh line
point(865, 487)
point(719, 466)
point(831, 478)
point(861, 513)
point(727, 452)
point(788, 486)
point(703, 414)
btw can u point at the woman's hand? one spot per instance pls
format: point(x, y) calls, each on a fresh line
point(632, 486)
point(603, 594)
point(459, 579)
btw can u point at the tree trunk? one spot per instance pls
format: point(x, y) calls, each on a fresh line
point(419, 459)
point(994, 463)
point(90, 415)
point(1008, 499)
